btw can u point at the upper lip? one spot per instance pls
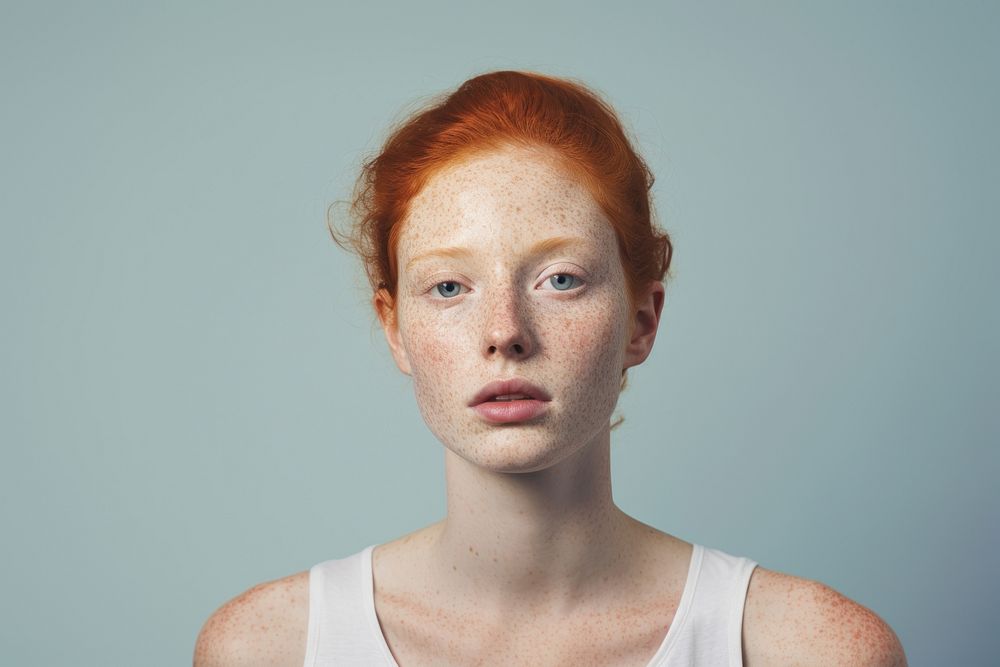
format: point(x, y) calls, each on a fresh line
point(511, 386)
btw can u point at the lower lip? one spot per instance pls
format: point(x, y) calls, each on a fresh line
point(505, 412)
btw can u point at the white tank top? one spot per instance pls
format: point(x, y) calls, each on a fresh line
point(706, 630)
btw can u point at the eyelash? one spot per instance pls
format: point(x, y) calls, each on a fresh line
point(439, 297)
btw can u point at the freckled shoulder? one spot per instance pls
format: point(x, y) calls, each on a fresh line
point(265, 625)
point(790, 620)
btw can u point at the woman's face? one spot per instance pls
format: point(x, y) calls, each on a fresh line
point(509, 269)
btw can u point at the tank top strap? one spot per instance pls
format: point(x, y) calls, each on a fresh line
point(341, 614)
point(713, 630)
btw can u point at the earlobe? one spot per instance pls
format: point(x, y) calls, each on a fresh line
point(645, 323)
point(385, 308)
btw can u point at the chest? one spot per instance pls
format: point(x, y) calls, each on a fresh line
point(624, 635)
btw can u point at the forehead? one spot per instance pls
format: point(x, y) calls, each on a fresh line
point(512, 196)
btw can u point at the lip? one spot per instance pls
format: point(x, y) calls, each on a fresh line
point(506, 387)
point(508, 412)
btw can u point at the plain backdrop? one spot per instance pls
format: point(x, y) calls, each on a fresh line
point(196, 398)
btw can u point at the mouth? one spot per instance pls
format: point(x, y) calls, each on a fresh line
point(510, 390)
point(509, 401)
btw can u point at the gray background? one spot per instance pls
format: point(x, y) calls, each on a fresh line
point(195, 398)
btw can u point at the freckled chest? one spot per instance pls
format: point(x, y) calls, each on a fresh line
point(420, 633)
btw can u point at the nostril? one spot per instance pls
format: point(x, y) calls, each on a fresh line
point(518, 348)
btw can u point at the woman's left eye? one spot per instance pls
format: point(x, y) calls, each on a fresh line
point(564, 281)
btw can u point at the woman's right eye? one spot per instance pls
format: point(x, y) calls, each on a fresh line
point(448, 288)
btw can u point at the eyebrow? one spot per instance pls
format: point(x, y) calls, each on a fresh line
point(542, 247)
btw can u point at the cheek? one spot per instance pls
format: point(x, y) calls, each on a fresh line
point(595, 335)
point(428, 351)
point(439, 361)
point(435, 351)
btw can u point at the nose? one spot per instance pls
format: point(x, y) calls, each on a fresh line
point(507, 332)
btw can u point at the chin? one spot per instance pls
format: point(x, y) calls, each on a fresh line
point(514, 451)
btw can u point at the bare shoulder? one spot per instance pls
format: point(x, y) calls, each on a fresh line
point(265, 625)
point(791, 620)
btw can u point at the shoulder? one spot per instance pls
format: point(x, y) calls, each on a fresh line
point(265, 625)
point(790, 620)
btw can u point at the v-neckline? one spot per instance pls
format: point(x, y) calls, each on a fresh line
point(676, 625)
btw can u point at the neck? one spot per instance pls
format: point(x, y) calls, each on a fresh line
point(549, 539)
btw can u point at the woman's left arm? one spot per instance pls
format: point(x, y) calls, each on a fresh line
point(791, 620)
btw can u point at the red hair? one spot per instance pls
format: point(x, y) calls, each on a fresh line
point(499, 109)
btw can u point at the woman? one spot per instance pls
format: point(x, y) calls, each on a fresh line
point(517, 274)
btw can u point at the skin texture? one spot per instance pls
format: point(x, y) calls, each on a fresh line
point(265, 625)
point(530, 514)
point(788, 620)
point(509, 319)
point(534, 564)
point(532, 533)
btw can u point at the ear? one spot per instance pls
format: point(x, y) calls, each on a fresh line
point(386, 310)
point(645, 322)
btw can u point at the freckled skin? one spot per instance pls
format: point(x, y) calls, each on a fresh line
point(265, 625)
point(788, 620)
point(534, 564)
point(533, 558)
point(510, 320)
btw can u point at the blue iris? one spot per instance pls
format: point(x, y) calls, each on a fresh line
point(562, 281)
point(448, 285)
